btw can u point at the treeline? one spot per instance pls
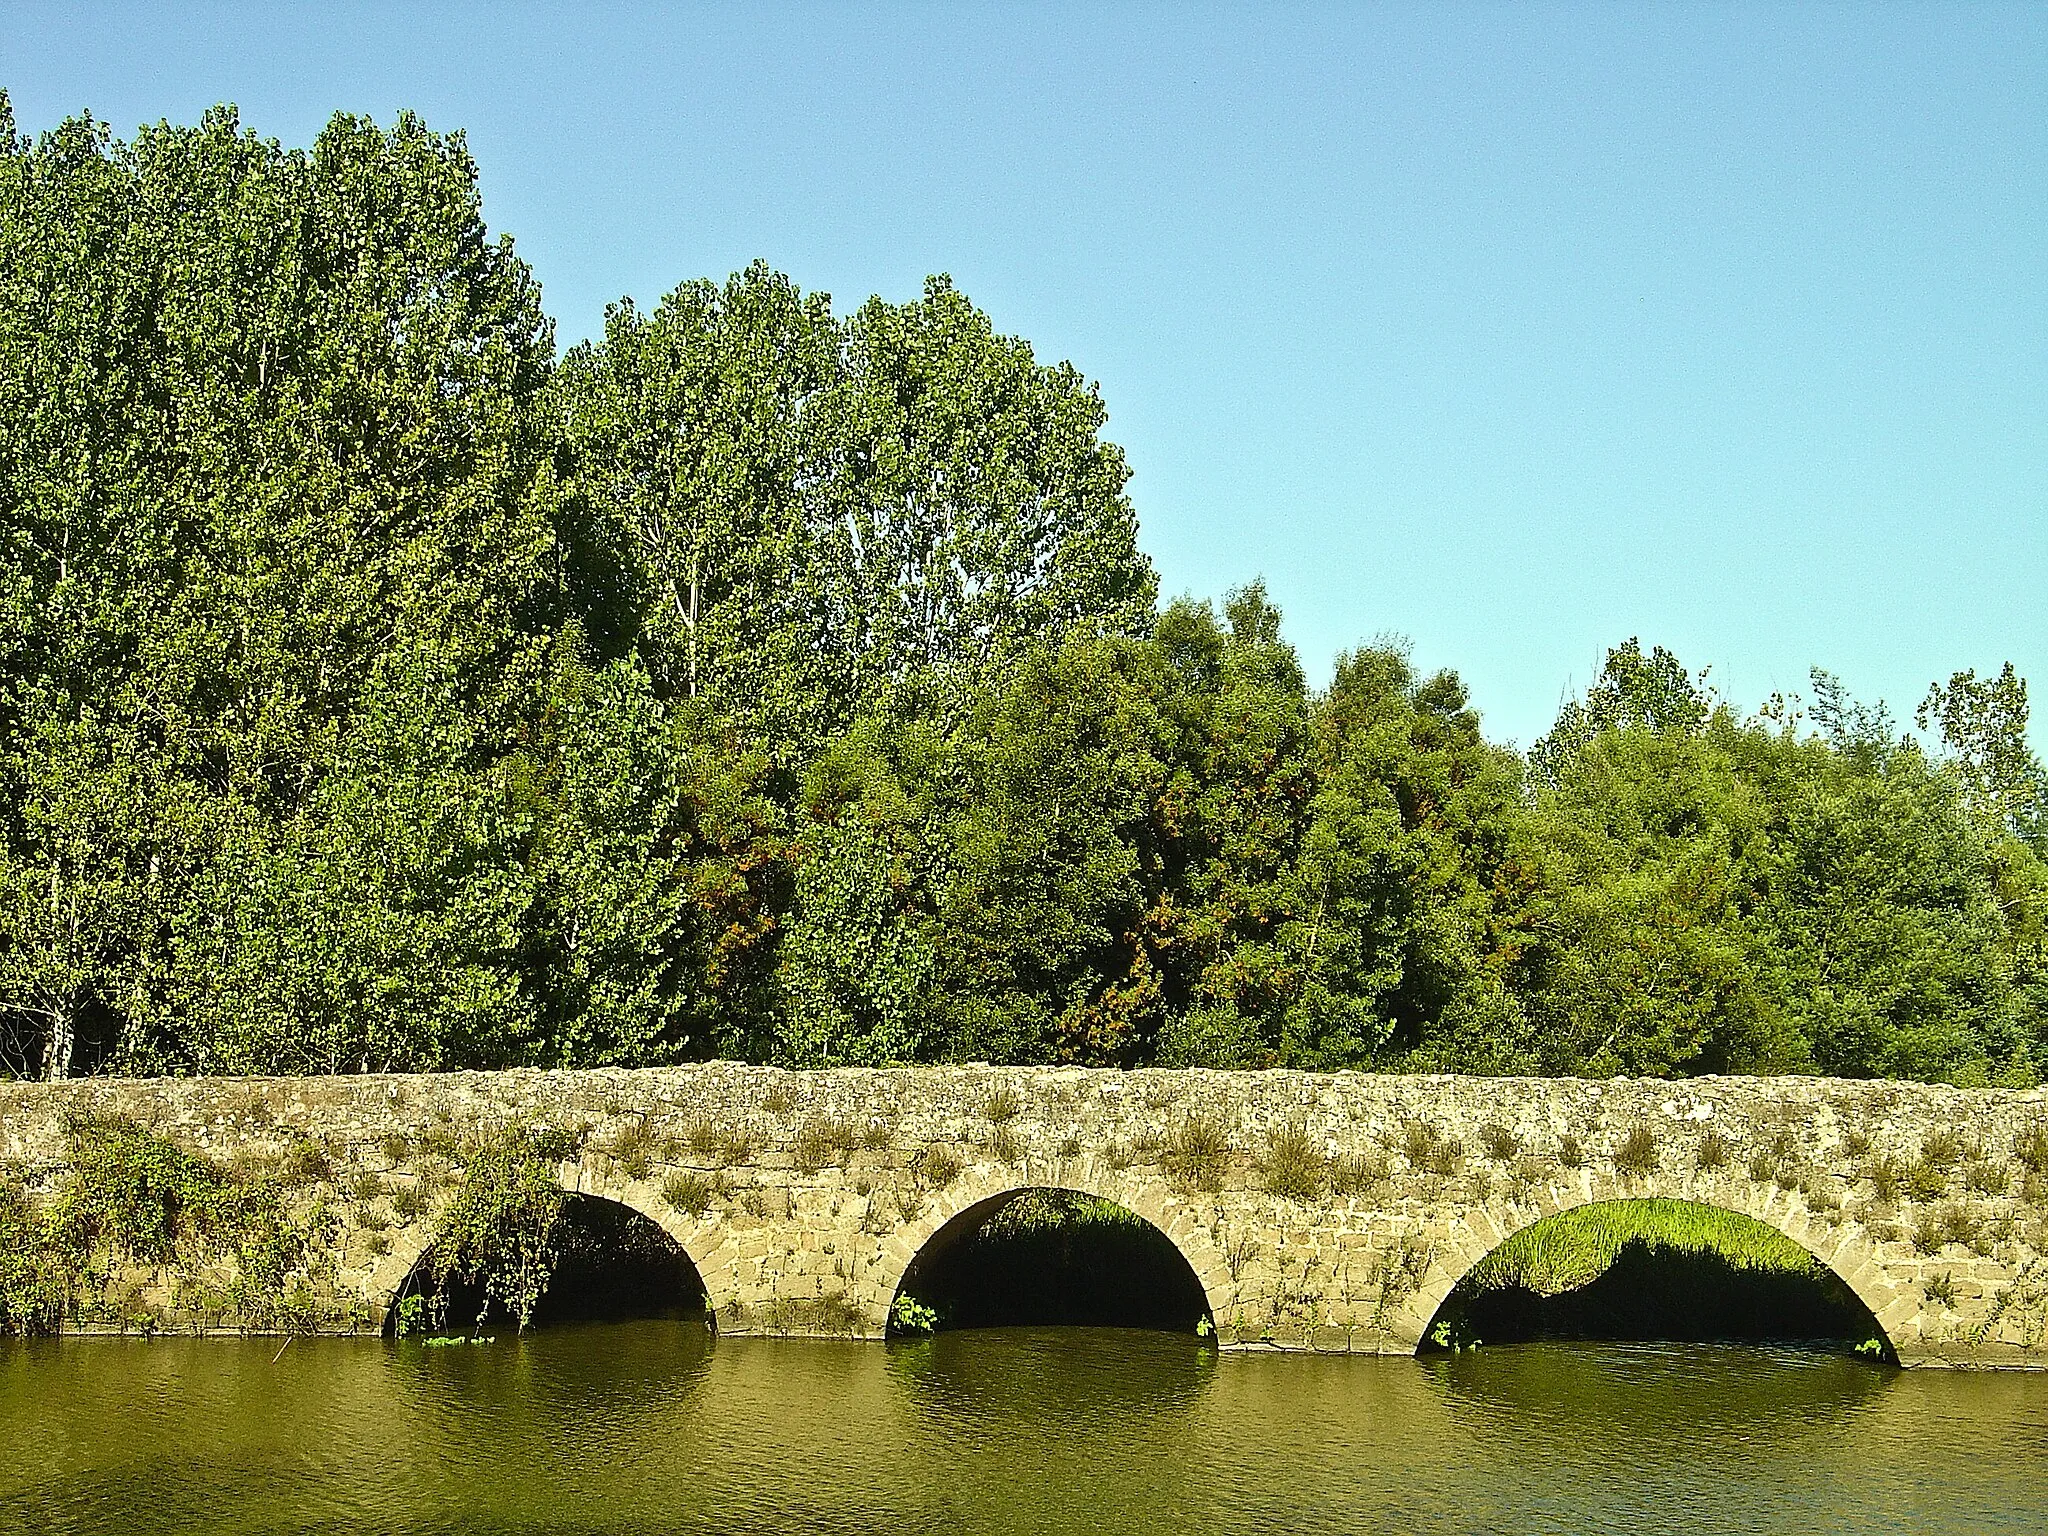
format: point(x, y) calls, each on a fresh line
point(379, 690)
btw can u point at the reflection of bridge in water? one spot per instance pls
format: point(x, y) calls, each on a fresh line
point(1315, 1212)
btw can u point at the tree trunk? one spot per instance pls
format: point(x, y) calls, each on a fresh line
point(57, 1054)
point(694, 594)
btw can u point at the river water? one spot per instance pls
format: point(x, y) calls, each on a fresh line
point(654, 1427)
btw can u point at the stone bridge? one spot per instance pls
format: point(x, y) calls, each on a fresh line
point(1322, 1212)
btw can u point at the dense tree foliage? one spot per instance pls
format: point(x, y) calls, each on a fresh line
point(379, 691)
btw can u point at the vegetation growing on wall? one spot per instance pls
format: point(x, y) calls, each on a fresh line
point(379, 690)
point(499, 1235)
point(138, 1231)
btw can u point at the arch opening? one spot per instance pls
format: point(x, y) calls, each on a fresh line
point(1049, 1257)
point(602, 1261)
point(1663, 1270)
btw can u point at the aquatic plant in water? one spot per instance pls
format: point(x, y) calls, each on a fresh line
point(910, 1315)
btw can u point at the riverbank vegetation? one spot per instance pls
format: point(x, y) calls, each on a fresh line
point(1052, 1256)
point(1651, 1269)
point(381, 689)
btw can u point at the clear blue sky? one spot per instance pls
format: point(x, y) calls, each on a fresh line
point(1516, 330)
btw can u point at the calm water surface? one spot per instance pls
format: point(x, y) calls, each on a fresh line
point(651, 1427)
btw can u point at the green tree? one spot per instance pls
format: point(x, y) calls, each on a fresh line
point(274, 497)
point(1720, 895)
point(804, 520)
point(1632, 692)
point(656, 868)
point(859, 955)
point(696, 448)
point(974, 508)
point(1983, 724)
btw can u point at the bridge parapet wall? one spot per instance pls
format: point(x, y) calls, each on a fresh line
point(1318, 1211)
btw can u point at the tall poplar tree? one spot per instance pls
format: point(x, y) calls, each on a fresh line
point(273, 489)
point(800, 520)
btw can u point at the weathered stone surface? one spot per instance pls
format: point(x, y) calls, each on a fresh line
point(794, 1244)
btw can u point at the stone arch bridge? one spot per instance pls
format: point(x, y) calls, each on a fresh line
point(1323, 1212)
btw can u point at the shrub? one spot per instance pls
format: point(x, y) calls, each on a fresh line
point(1070, 1145)
point(1941, 1151)
point(1444, 1159)
point(1962, 1225)
point(138, 1194)
point(1986, 1178)
point(1711, 1153)
point(1527, 1173)
point(909, 1315)
point(1418, 1137)
point(777, 1100)
point(396, 1147)
point(1821, 1196)
point(689, 1192)
point(35, 1283)
point(2030, 1148)
point(632, 1147)
point(366, 1188)
point(1499, 1143)
point(1925, 1181)
point(132, 1195)
point(877, 1135)
point(1198, 1155)
point(1855, 1144)
point(936, 1166)
point(1355, 1174)
point(1570, 1152)
point(820, 1140)
point(498, 1233)
point(1935, 1228)
point(408, 1201)
point(1880, 1219)
point(1940, 1289)
point(1886, 1180)
point(717, 1142)
point(1637, 1153)
point(1003, 1106)
point(440, 1140)
point(1294, 1166)
point(306, 1161)
point(1003, 1145)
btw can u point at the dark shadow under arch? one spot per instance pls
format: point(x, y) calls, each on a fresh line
point(612, 1264)
point(1669, 1270)
point(1049, 1257)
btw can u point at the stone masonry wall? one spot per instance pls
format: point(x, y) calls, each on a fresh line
point(1318, 1212)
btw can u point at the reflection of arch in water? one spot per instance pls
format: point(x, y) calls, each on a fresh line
point(961, 1209)
point(1484, 1227)
point(703, 1267)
